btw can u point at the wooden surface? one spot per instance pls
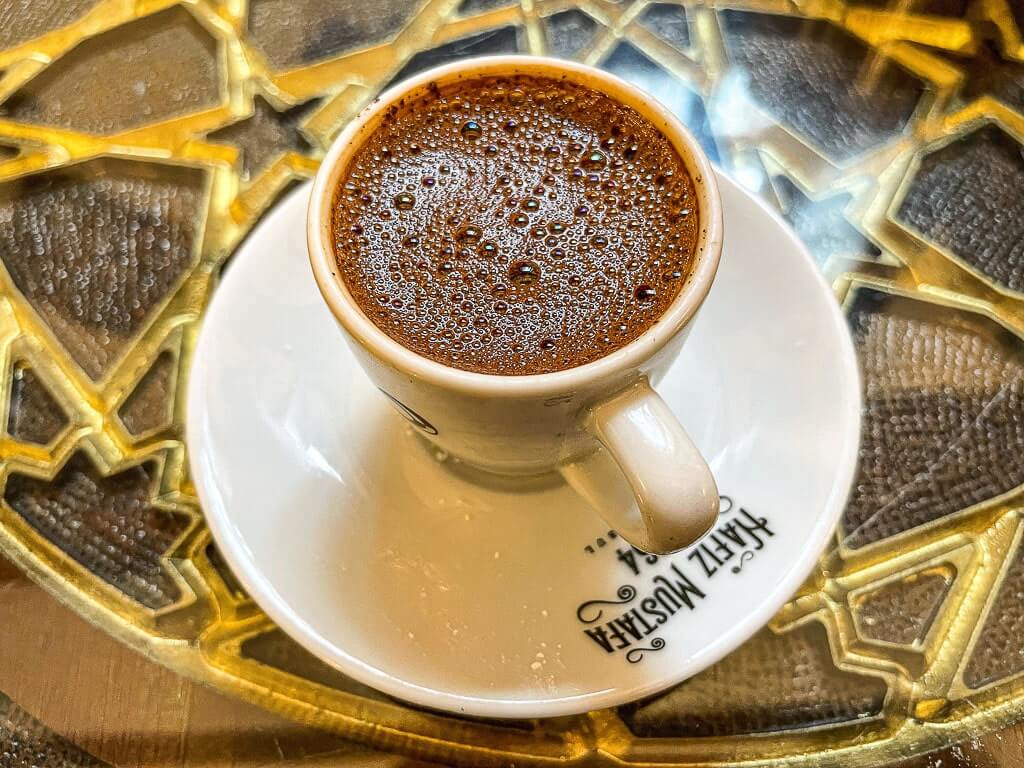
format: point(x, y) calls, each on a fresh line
point(128, 711)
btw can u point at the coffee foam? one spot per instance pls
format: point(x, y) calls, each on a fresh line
point(514, 225)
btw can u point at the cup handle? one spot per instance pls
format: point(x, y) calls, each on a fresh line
point(669, 499)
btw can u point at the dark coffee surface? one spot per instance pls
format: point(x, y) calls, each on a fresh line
point(514, 225)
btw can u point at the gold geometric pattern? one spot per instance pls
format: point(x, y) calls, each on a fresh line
point(148, 407)
point(902, 611)
point(138, 87)
point(20, 21)
point(943, 423)
point(999, 651)
point(96, 248)
point(774, 681)
point(33, 416)
point(141, 141)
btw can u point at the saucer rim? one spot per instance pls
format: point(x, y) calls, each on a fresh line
point(244, 566)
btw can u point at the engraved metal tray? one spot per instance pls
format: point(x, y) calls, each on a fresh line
point(140, 140)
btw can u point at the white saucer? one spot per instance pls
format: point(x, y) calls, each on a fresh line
point(398, 568)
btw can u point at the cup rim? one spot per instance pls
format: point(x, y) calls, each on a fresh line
point(365, 332)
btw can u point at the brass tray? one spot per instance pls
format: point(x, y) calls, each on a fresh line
point(140, 140)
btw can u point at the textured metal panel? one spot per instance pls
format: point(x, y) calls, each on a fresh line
point(33, 415)
point(107, 524)
point(902, 612)
point(96, 248)
point(771, 683)
point(811, 77)
point(149, 405)
point(160, 67)
point(944, 416)
point(27, 743)
point(966, 197)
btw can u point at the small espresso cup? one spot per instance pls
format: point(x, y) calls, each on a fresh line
point(601, 425)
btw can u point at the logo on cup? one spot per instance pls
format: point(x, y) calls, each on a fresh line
point(417, 420)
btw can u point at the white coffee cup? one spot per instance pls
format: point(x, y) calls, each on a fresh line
point(601, 424)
